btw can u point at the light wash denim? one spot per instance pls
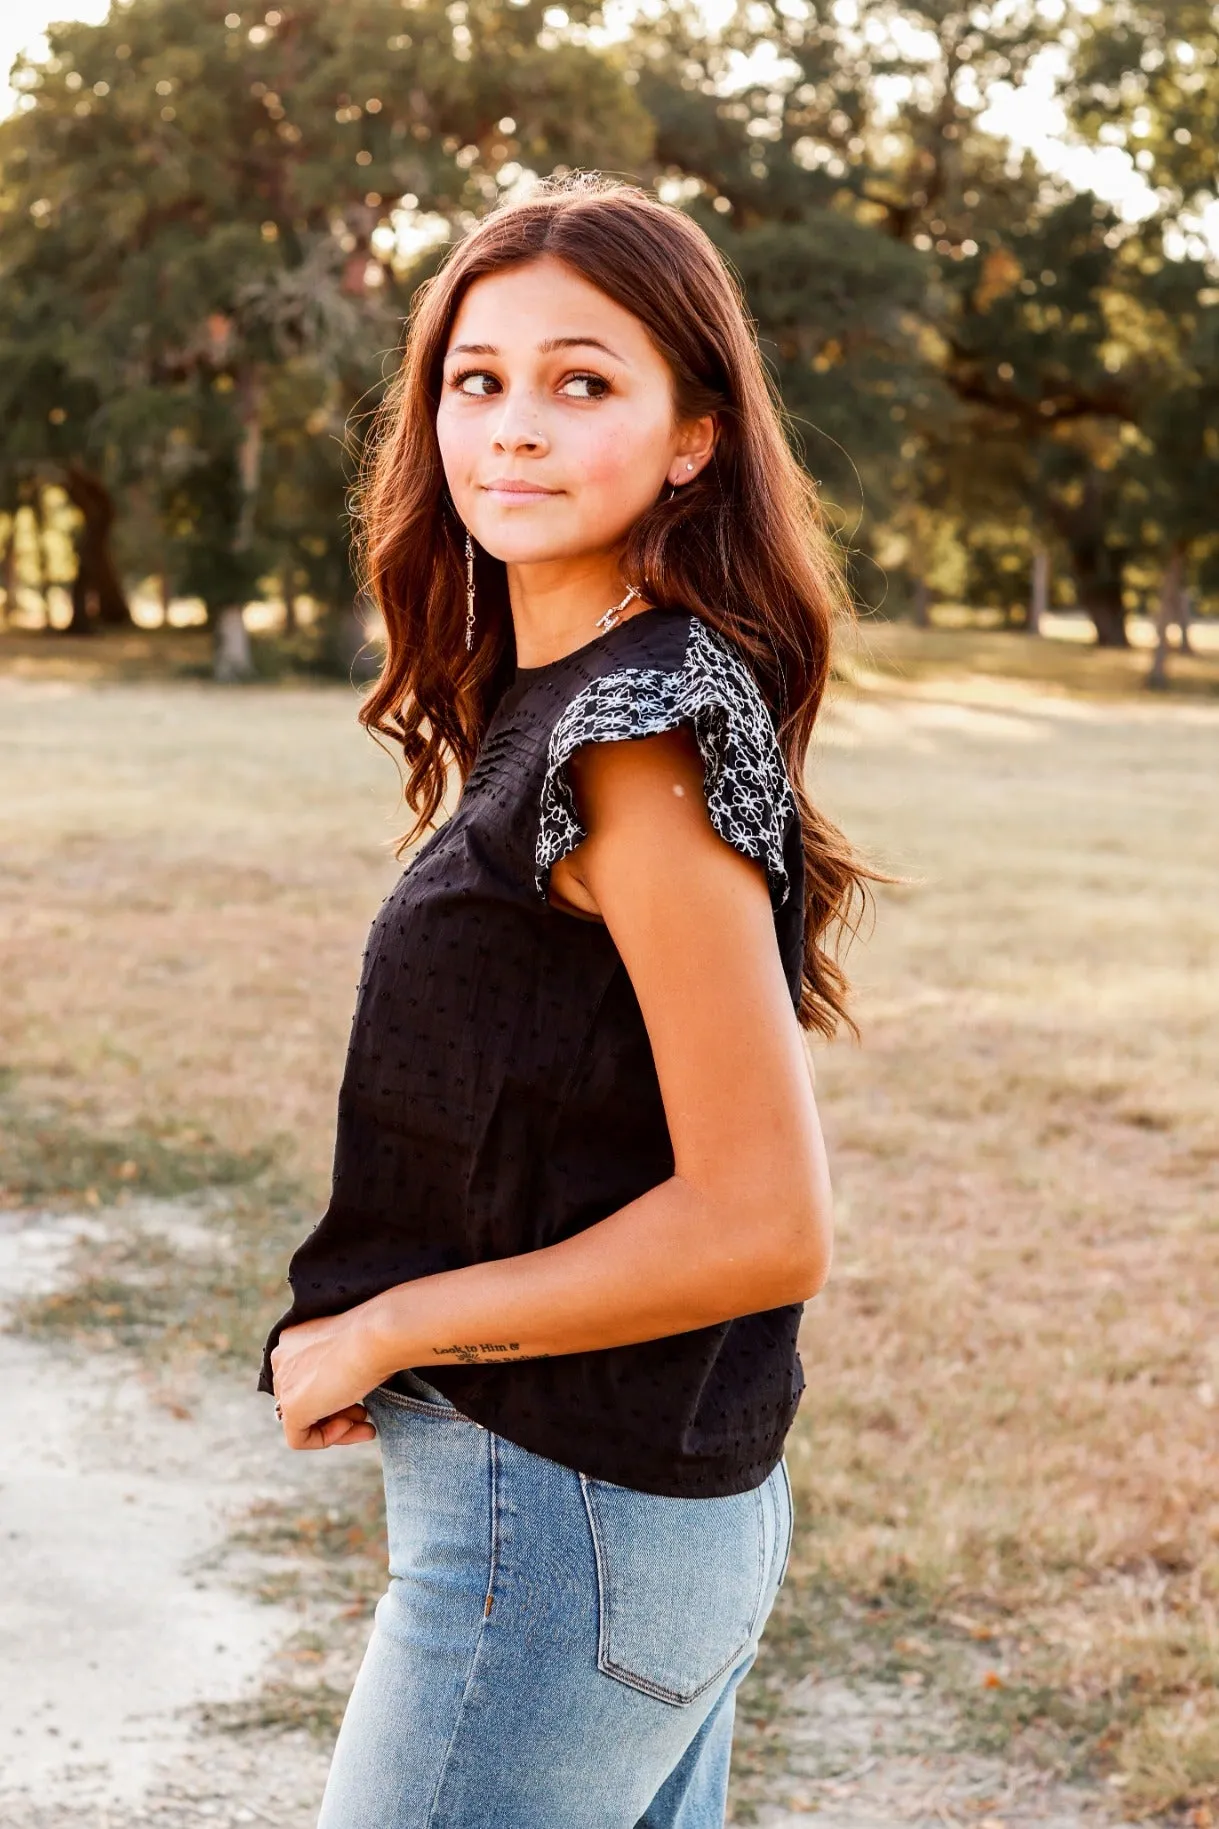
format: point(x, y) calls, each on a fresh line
point(553, 1651)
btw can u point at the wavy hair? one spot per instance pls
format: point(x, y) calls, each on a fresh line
point(744, 545)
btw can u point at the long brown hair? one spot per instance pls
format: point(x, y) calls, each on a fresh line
point(744, 545)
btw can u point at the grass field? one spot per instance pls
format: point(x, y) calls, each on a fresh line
point(1006, 1457)
point(1014, 1370)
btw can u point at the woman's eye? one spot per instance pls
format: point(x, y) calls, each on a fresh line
point(478, 384)
point(588, 381)
point(458, 382)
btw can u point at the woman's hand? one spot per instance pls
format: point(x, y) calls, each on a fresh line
point(321, 1369)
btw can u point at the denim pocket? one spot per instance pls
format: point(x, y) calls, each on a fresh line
point(679, 1585)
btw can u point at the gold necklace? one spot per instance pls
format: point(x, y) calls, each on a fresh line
point(610, 618)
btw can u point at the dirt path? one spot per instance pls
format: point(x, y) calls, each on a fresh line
point(121, 1622)
point(115, 1625)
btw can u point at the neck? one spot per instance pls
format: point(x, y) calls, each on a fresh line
point(556, 605)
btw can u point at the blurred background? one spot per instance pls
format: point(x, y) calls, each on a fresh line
point(981, 246)
point(978, 242)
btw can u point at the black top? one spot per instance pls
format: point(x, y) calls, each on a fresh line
point(500, 1092)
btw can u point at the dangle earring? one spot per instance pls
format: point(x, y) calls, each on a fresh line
point(469, 590)
point(673, 486)
point(610, 619)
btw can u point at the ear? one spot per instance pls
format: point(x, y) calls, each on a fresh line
point(694, 450)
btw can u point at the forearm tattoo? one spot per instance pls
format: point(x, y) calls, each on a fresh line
point(475, 1355)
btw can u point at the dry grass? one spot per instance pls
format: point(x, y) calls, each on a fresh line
point(187, 880)
point(1006, 1456)
point(1064, 664)
point(1012, 1376)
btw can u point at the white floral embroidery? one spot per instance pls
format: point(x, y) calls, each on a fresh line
point(749, 796)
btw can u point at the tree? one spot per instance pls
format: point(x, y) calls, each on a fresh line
point(196, 204)
point(872, 220)
point(203, 268)
point(1144, 81)
point(998, 375)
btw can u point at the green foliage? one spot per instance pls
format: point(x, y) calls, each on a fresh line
point(1010, 372)
point(1144, 80)
point(201, 286)
point(199, 282)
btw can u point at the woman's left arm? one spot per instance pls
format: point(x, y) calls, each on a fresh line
point(744, 1222)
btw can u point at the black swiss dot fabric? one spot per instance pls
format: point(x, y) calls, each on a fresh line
point(500, 1094)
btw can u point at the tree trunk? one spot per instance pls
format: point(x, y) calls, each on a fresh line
point(40, 556)
point(348, 649)
point(1101, 598)
point(1185, 611)
point(922, 604)
point(1166, 615)
point(8, 567)
point(1039, 593)
point(232, 659)
point(98, 597)
point(249, 457)
point(288, 587)
point(1098, 567)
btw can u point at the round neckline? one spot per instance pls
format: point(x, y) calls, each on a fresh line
point(532, 673)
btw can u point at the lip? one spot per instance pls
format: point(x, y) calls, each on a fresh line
point(512, 485)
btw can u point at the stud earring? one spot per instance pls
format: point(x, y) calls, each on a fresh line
point(469, 590)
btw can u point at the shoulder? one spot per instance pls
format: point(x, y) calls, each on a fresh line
point(678, 672)
point(667, 663)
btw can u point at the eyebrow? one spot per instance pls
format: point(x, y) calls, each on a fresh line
point(545, 348)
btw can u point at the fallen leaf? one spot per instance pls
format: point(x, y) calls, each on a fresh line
point(976, 1628)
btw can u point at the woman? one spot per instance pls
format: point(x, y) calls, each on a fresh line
point(580, 1191)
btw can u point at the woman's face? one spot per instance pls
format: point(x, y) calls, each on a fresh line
point(552, 387)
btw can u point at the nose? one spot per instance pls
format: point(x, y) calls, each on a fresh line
point(518, 428)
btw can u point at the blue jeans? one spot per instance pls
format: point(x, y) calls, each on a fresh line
point(553, 1651)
